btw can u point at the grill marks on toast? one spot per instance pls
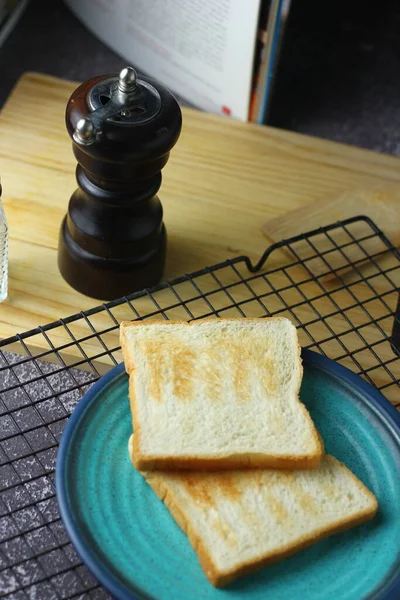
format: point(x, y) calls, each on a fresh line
point(205, 489)
point(219, 394)
point(154, 367)
point(240, 521)
point(176, 364)
point(267, 496)
point(305, 500)
point(241, 365)
point(211, 370)
point(183, 373)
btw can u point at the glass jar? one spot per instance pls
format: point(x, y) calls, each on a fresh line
point(3, 252)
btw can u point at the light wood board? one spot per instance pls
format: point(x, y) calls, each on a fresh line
point(223, 181)
point(379, 203)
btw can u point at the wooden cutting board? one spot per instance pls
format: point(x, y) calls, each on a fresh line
point(223, 181)
point(381, 203)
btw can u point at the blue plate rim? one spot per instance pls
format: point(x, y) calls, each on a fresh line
point(106, 578)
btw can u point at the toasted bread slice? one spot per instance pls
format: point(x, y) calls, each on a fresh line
point(218, 394)
point(241, 521)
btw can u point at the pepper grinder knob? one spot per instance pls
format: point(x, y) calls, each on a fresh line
point(84, 132)
point(112, 240)
point(127, 80)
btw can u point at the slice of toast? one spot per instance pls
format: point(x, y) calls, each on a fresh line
point(241, 521)
point(218, 394)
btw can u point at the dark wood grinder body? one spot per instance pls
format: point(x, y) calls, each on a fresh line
point(113, 240)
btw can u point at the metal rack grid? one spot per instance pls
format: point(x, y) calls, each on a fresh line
point(339, 285)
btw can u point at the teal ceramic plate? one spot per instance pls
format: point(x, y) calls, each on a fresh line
point(129, 541)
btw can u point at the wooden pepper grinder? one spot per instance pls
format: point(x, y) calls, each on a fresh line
point(112, 240)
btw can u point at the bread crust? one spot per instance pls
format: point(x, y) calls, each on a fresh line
point(135, 421)
point(223, 578)
point(214, 463)
point(218, 463)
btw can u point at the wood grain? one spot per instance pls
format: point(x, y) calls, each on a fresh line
point(223, 181)
point(380, 203)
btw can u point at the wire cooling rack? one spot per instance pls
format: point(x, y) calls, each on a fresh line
point(339, 285)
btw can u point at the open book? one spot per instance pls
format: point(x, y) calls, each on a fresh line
point(219, 55)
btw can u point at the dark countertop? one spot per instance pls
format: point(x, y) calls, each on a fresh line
point(337, 76)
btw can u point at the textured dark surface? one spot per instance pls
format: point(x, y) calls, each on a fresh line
point(337, 77)
point(37, 561)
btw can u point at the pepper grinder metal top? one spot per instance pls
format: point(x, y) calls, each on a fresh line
point(112, 240)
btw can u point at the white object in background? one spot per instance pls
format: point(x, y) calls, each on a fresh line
point(201, 49)
point(3, 253)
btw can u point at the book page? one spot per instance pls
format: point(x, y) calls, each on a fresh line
point(200, 49)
